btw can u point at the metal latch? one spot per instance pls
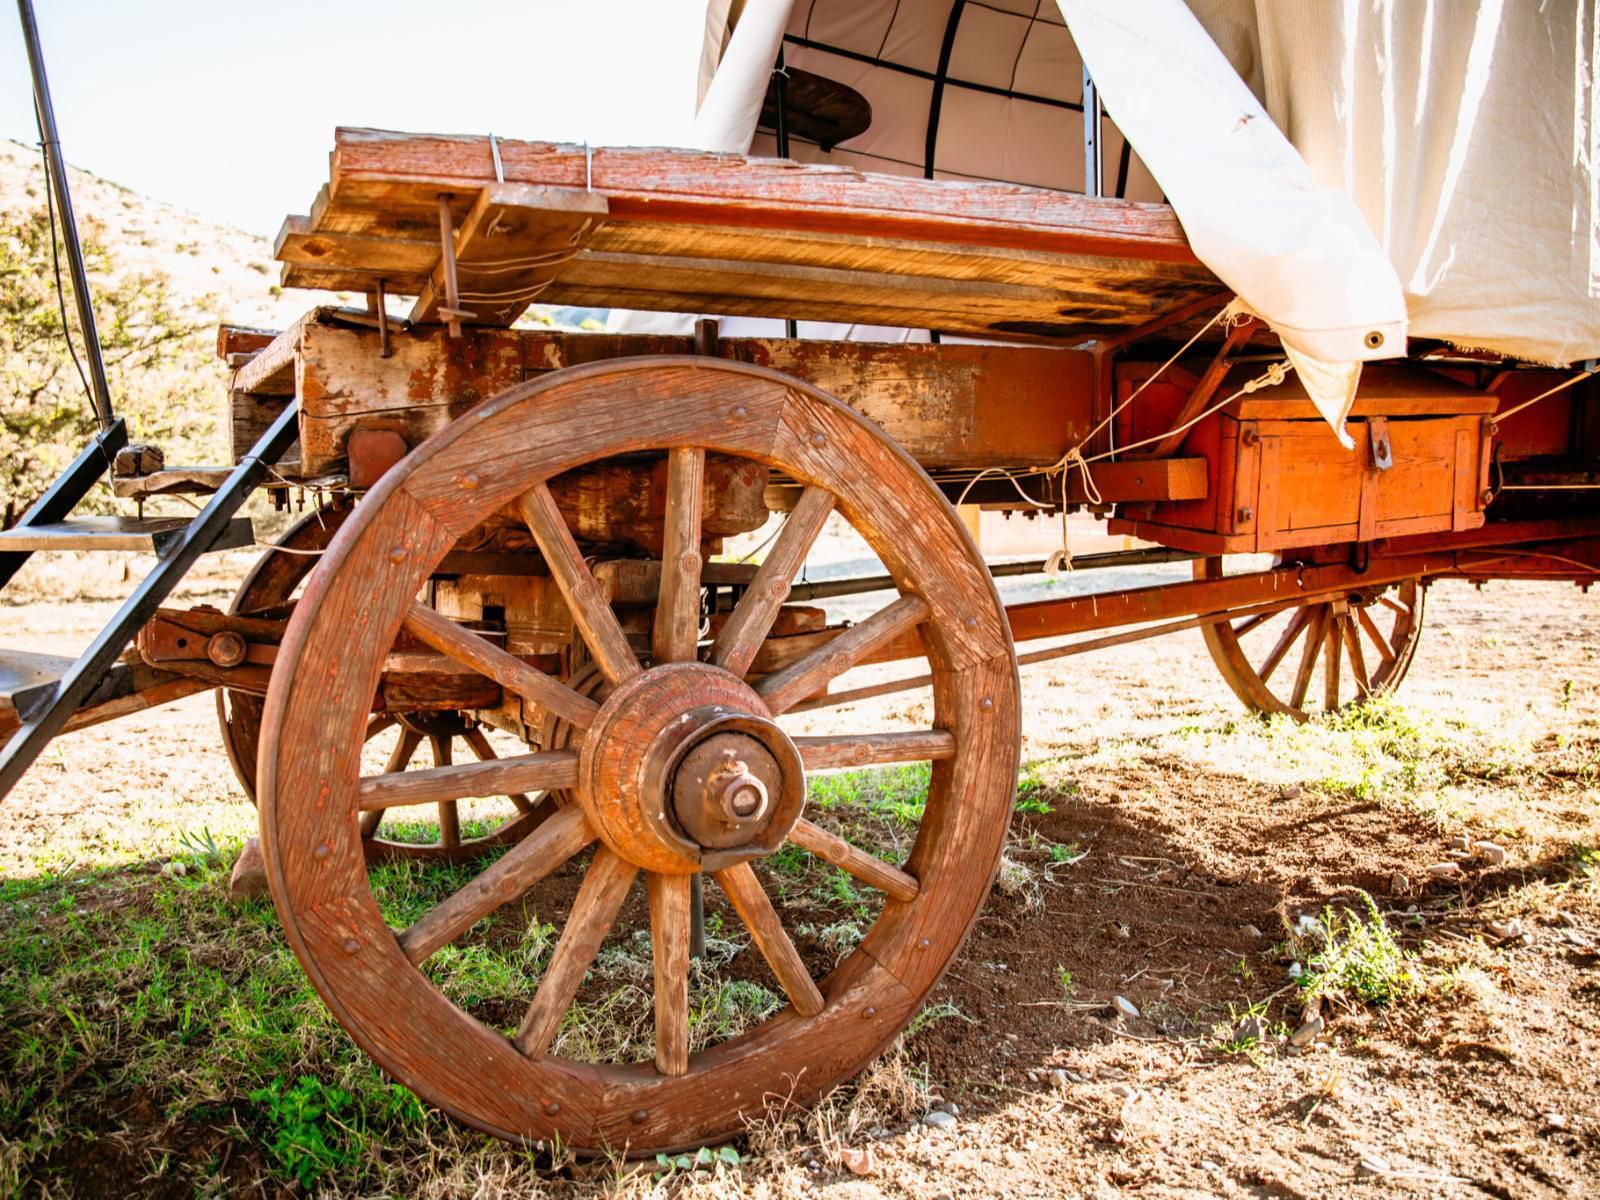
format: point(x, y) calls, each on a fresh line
point(1378, 439)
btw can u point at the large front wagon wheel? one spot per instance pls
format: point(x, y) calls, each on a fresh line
point(684, 770)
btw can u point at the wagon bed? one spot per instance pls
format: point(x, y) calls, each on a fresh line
point(684, 231)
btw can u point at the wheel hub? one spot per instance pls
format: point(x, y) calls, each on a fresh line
point(684, 770)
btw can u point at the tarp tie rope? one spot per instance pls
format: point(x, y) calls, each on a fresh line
point(1589, 368)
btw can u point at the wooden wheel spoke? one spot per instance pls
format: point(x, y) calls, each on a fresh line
point(399, 758)
point(1251, 623)
point(868, 868)
point(749, 900)
point(811, 674)
point(591, 610)
point(1308, 656)
point(869, 749)
point(594, 910)
point(449, 814)
point(669, 942)
point(1291, 633)
point(1358, 662)
point(1333, 645)
point(544, 771)
point(1390, 602)
point(379, 722)
point(478, 743)
point(1385, 651)
point(752, 617)
point(530, 860)
point(677, 625)
point(445, 636)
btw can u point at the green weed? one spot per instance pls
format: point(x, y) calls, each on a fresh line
point(308, 1123)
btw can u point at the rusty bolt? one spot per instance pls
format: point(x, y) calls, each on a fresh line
point(1485, 496)
point(923, 943)
point(1251, 436)
point(640, 1116)
point(739, 410)
point(226, 649)
point(970, 622)
point(986, 703)
point(469, 481)
point(351, 945)
point(869, 1012)
point(1246, 515)
point(322, 850)
point(397, 554)
point(552, 1109)
point(819, 439)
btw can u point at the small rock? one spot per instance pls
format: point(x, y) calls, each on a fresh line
point(1566, 918)
point(1118, 930)
point(1461, 842)
point(1254, 932)
point(1251, 1029)
point(1491, 853)
point(939, 1120)
point(1033, 1077)
point(1373, 1165)
point(1291, 792)
point(1059, 1078)
point(175, 869)
point(1123, 1090)
point(1506, 931)
point(951, 1107)
point(858, 1162)
point(1207, 1165)
point(1306, 925)
point(1444, 870)
point(1124, 1007)
point(249, 877)
point(1307, 1032)
point(1555, 1120)
point(1296, 970)
point(1168, 984)
point(1399, 885)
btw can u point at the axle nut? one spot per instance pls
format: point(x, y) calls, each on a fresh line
point(225, 649)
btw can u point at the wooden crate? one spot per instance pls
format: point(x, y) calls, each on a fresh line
point(1279, 479)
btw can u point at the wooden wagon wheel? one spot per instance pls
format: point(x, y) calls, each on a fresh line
point(272, 582)
point(683, 769)
point(1320, 656)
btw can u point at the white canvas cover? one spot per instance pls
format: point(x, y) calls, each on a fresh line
point(1350, 169)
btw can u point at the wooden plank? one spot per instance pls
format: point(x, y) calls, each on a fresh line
point(403, 262)
point(378, 168)
point(515, 239)
point(947, 405)
point(689, 231)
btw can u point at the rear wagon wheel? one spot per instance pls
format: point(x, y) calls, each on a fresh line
point(683, 771)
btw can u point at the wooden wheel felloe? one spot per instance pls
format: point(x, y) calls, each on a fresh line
point(684, 769)
point(1320, 656)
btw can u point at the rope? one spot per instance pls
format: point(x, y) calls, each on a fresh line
point(1562, 386)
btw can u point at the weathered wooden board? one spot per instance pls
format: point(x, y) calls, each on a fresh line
point(695, 232)
point(949, 406)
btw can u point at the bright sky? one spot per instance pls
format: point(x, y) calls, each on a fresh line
point(228, 109)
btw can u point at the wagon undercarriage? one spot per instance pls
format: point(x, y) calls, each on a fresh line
point(517, 557)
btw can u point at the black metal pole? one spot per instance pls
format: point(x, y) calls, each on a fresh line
point(103, 410)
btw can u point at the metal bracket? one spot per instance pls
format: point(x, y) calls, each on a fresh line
point(1378, 440)
point(451, 309)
